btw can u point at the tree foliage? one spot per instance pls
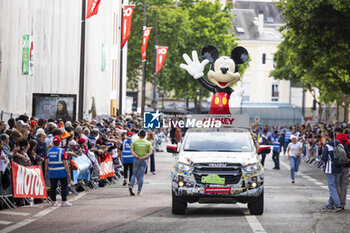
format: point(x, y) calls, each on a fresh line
point(316, 47)
point(187, 26)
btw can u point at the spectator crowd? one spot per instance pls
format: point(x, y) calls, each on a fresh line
point(320, 145)
point(27, 140)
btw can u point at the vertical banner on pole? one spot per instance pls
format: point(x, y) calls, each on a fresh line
point(103, 57)
point(31, 55)
point(92, 8)
point(146, 34)
point(127, 17)
point(161, 55)
point(25, 54)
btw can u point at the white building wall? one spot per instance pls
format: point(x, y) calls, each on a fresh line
point(257, 74)
point(56, 27)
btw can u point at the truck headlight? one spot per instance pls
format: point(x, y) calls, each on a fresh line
point(252, 167)
point(183, 167)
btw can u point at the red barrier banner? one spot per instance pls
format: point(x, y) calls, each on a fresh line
point(28, 181)
point(107, 168)
point(92, 8)
point(127, 17)
point(146, 33)
point(161, 55)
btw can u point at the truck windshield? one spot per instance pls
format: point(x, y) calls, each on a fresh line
point(218, 141)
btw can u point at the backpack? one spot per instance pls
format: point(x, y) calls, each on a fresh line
point(347, 149)
point(340, 156)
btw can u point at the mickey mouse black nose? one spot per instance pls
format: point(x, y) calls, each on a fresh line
point(224, 70)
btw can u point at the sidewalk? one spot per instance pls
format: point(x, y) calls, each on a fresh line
point(106, 207)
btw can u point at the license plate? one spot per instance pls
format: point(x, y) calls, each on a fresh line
point(212, 179)
point(217, 190)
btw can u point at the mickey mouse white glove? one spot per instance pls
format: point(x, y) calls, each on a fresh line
point(194, 68)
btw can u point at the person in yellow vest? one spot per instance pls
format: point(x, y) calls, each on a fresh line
point(141, 149)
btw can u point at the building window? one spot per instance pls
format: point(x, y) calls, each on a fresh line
point(246, 94)
point(275, 93)
point(245, 98)
point(264, 58)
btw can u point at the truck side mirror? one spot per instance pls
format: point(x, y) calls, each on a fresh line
point(171, 149)
point(264, 150)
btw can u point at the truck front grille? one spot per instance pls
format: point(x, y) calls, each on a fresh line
point(230, 171)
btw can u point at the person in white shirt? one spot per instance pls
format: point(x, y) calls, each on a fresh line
point(294, 150)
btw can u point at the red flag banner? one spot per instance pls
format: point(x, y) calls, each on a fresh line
point(107, 168)
point(146, 33)
point(161, 55)
point(92, 8)
point(127, 17)
point(28, 181)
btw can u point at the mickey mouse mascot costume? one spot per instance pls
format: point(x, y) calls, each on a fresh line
point(222, 74)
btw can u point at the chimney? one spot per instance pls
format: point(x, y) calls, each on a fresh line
point(261, 22)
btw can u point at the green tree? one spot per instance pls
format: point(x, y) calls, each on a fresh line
point(316, 47)
point(185, 27)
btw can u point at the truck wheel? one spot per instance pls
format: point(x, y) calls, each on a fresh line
point(257, 207)
point(178, 206)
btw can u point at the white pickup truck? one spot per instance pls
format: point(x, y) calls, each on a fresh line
point(218, 165)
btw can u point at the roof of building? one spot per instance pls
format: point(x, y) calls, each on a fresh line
point(245, 21)
point(271, 14)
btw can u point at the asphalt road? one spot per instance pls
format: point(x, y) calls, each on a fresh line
point(288, 208)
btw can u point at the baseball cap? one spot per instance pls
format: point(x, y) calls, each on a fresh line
point(81, 141)
point(20, 123)
point(129, 135)
point(293, 136)
point(56, 140)
point(40, 130)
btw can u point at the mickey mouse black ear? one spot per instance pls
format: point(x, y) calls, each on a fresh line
point(210, 52)
point(239, 55)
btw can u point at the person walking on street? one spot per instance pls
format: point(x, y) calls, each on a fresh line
point(126, 157)
point(344, 176)
point(332, 172)
point(56, 169)
point(287, 139)
point(141, 149)
point(294, 150)
point(152, 140)
point(276, 143)
point(263, 140)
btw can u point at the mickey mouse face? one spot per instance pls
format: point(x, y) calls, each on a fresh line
point(223, 72)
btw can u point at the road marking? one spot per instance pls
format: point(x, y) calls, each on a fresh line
point(255, 224)
point(44, 212)
point(36, 216)
point(14, 213)
point(252, 220)
point(5, 222)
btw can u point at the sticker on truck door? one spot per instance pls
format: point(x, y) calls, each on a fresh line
point(213, 179)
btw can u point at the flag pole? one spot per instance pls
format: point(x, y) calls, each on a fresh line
point(82, 62)
point(121, 64)
point(143, 65)
point(155, 102)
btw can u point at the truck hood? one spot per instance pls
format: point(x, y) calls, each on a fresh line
point(244, 158)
